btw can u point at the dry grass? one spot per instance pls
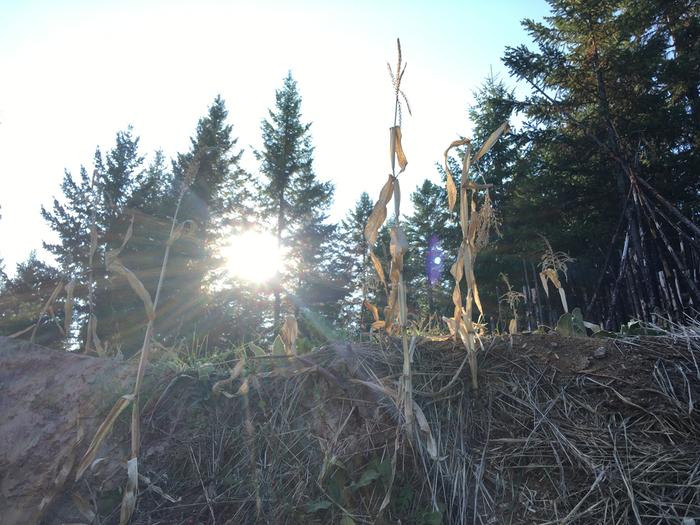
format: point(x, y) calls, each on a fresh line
point(554, 436)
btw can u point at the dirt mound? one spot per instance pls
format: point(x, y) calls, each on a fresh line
point(562, 430)
point(48, 399)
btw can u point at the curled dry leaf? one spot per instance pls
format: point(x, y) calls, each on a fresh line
point(101, 433)
point(397, 198)
point(378, 215)
point(236, 371)
point(377, 325)
point(92, 336)
point(399, 244)
point(46, 308)
point(396, 149)
point(136, 285)
point(378, 267)
point(550, 274)
point(373, 310)
point(430, 444)
point(513, 326)
point(451, 186)
point(130, 492)
point(289, 333)
point(503, 128)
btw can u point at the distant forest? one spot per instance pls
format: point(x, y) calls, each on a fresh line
point(603, 166)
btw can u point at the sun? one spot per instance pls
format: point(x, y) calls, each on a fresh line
point(252, 256)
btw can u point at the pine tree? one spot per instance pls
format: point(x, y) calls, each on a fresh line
point(605, 117)
point(433, 236)
point(105, 198)
point(22, 299)
point(350, 261)
point(294, 201)
point(215, 204)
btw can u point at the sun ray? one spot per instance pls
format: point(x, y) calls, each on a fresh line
point(252, 256)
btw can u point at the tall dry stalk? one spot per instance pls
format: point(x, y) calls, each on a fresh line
point(512, 299)
point(476, 223)
point(114, 265)
point(396, 312)
point(552, 263)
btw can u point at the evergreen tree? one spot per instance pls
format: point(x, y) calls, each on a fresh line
point(605, 112)
point(104, 198)
point(351, 262)
point(295, 202)
point(22, 299)
point(215, 204)
point(434, 237)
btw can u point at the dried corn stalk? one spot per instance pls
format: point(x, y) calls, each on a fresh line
point(289, 334)
point(552, 263)
point(476, 223)
point(113, 264)
point(396, 311)
point(512, 298)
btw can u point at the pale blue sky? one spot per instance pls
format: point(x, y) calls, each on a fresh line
point(73, 73)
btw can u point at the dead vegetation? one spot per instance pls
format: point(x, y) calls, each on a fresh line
point(561, 430)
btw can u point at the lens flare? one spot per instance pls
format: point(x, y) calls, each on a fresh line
point(252, 256)
point(434, 262)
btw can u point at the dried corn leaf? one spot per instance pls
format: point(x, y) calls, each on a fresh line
point(128, 234)
point(390, 310)
point(403, 306)
point(543, 278)
point(378, 267)
point(430, 444)
point(378, 324)
point(136, 285)
point(477, 298)
point(513, 326)
point(397, 199)
point(551, 274)
point(155, 488)
point(378, 215)
point(135, 427)
point(451, 186)
point(562, 295)
point(373, 310)
point(235, 372)
point(396, 149)
point(454, 324)
point(94, 338)
point(47, 306)
point(451, 191)
point(130, 492)
point(101, 433)
point(466, 164)
point(399, 243)
point(503, 128)
point(289, 333)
